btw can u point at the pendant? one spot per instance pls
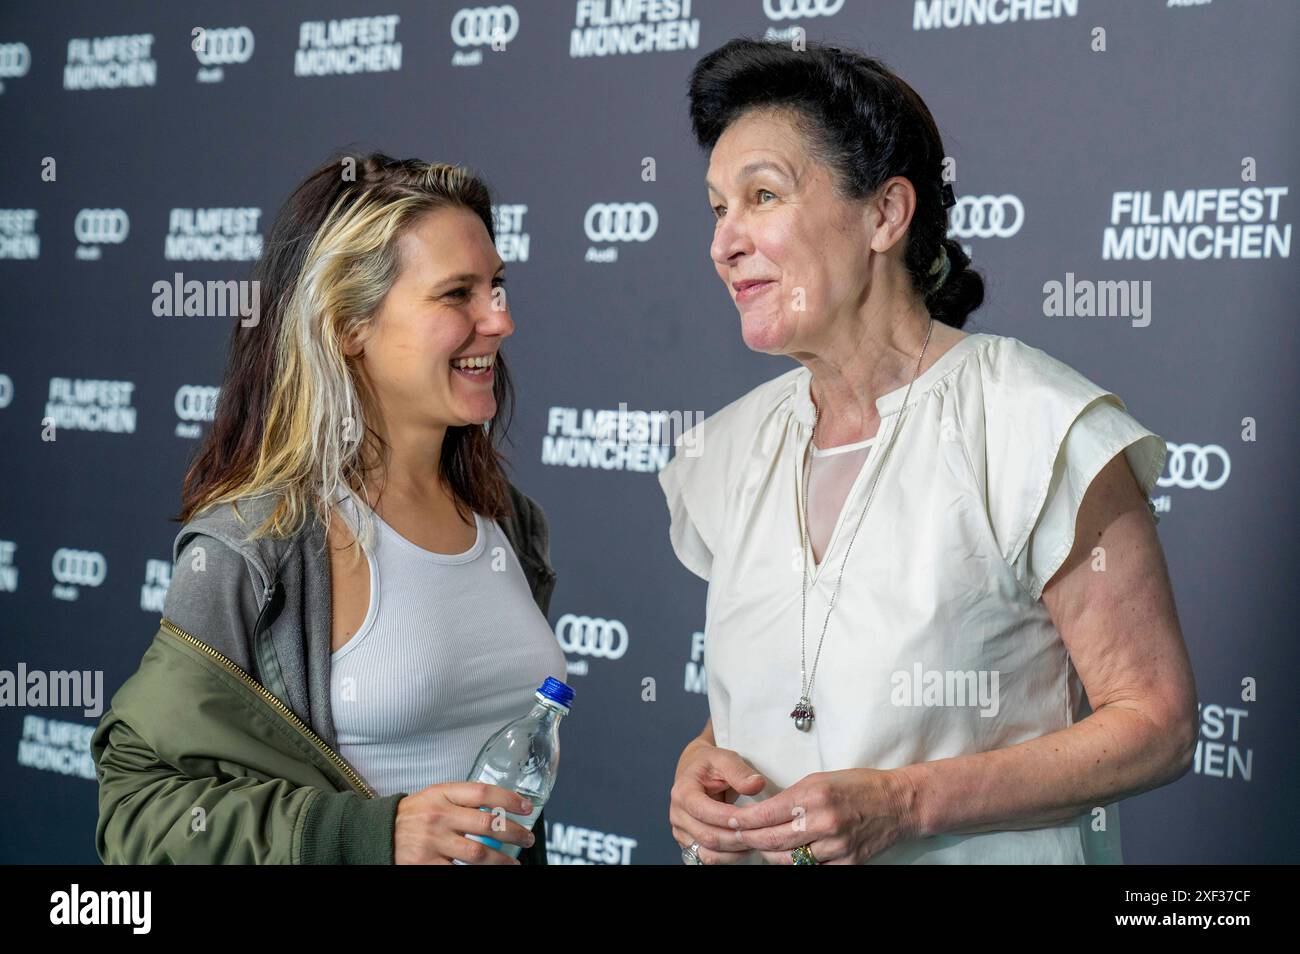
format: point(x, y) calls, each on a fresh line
point(803, 714)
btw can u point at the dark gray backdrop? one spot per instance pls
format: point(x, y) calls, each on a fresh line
point(1040, 118)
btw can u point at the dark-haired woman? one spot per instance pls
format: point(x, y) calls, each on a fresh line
point(929, 552)
point(359, 594)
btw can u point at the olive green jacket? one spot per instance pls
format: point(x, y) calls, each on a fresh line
point(220, 747)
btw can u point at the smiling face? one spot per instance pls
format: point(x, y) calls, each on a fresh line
point(447, 305)
point(793, 255)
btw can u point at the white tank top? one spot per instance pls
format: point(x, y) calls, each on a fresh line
point(452, 647)
point(830, 474)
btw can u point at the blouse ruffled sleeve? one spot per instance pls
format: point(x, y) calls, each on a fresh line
point(693, 489)
point(1048, 439)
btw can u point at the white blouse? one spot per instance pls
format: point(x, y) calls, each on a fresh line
point(973, 514)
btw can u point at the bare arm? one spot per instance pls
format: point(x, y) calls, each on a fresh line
point(1121, 629)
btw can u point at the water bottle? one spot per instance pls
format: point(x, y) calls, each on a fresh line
point(524, 757)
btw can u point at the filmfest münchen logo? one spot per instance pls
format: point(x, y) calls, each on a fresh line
point(8, 568)
point(110, 62)
point(512, 241)
point(1197, 224)
point(615, 27)
point(18, 236)
point(621, 439)
point(157, 579)
point(213, 235)
point(949, 14)
point(573, 845)
point(353, 45)
point(89, 404)
point(1221, 748)
point(60, 746)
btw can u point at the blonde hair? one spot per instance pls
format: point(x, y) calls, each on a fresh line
point(309, 412)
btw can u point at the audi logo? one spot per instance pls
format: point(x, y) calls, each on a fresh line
point(621, 222)
point(99, 226)
point(793, 9)
point(195, 402)
point(475, 26)
point(6, 390)
point(1179, 455)
point(226, 45)
point(79, 567)
point(591, 636)
point(985, 216)
point(15, 60)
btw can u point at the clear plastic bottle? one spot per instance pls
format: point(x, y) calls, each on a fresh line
point(524, 756)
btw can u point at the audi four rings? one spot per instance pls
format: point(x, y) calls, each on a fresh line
point(1181, 454)
point(621, 222)
point(79, 567)
point(225, 45)
point(479, 26)
point(98, 226)
point(986, 216)
point(796, 9)
point(195, 402)
point(591, 636)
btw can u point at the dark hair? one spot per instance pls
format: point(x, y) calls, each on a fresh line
point(860, 120)
point(329, 259)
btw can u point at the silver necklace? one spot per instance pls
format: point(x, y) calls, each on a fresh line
point(802, 713)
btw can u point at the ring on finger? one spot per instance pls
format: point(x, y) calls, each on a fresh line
point(803, 855)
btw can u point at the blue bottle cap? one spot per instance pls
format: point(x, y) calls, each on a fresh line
point(556, 691)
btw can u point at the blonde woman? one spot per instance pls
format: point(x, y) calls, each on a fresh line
point(359, 594)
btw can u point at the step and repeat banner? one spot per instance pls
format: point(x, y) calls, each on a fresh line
point(1139, 152)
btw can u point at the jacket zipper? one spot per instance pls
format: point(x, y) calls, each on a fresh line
point(226, 662)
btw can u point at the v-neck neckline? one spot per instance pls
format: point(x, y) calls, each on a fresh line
point(887, 405)
point(806, 473)
point(867, 465)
